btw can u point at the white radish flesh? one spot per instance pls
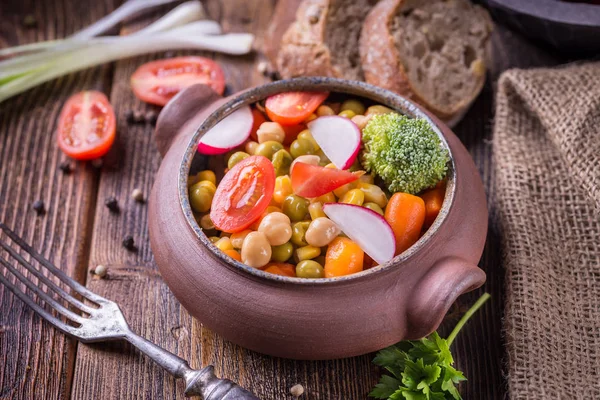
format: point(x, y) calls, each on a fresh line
point(228, 133)
point(338, 137)
point(365, 227)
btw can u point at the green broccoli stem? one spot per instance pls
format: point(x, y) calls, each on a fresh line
point(485, 297)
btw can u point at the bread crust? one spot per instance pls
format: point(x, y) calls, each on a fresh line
point(303, 51)
point(382, 65)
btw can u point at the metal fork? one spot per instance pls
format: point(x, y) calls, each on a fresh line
point(105, 323)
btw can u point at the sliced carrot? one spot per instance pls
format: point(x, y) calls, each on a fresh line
point(405, 213)
point(344, 257)
point(283, 269)
point(234, 254)
point(433, 198)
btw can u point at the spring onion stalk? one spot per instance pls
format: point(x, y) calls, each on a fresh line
point(128, 9)
point(182, 14)
point(103, 50)
point(25, 64)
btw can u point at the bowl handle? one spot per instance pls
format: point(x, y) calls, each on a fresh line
point(436, 291)
point(181, 109)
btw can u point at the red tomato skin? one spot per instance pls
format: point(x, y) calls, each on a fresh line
point(314, 181)
point(258, 119)
point(291, 108)
point(229, 219)
point(147, 85)
point(71, 106)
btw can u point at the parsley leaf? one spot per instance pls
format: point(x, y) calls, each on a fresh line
point(422, 369)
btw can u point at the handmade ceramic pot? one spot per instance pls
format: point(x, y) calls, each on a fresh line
point(405, 298)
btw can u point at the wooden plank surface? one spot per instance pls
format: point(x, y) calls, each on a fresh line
point(78, 232)
point(36, 361)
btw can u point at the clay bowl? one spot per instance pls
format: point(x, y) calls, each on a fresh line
point(405, 298)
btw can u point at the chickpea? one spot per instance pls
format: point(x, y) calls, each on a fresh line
point(237, 239)
point(324, 110)
point(306, 159)
point(256, 251)
point(276, 227)
point(251, 147)
point(361, 120)
point(270, 131)
point(311, 117)
point(366, 178)
point(321, 232)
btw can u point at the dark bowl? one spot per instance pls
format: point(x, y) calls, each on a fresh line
point(572, 28)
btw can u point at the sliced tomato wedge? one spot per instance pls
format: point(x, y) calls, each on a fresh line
point(314, 181)
point(87, 126)
point(258, 119)
point(243, 194)
point(291, 108)
point(157, 82)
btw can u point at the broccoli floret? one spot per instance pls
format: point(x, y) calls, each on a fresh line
point(405, 152)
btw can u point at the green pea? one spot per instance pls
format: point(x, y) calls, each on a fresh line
point(200, 199)
point(309, 269)
point(306, 135)
point(353, 105)
point(236, 158)
point(374, 207)
point(301, 147)
point(268, 149)
point(299, 233)
point(282, 253)
point(282, 160)
point(214, 239)
point(295, 207)
point(323, 160)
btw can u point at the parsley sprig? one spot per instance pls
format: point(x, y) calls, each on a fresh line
point(422, 369)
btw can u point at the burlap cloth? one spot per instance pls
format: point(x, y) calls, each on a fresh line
point(547, 188)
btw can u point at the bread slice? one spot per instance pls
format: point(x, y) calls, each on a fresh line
point(431, 51)
point(323, 41)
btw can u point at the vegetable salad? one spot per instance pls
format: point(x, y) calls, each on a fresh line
point(308, 191)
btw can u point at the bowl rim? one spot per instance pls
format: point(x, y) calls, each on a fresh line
point(334, 85)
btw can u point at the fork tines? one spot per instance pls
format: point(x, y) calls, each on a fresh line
point(73, 318)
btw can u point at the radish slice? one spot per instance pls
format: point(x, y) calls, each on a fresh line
point(228, 133)
point(338, 137)
point(365, 227)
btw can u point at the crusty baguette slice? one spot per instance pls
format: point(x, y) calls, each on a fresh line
point(431, 51)
point(323, 41)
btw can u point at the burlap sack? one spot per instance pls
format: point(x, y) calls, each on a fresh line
point(547, 183)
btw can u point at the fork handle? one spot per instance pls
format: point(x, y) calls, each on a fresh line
point(197, 383)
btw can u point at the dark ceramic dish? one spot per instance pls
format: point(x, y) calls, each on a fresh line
point(571, 27)
point(405, 298)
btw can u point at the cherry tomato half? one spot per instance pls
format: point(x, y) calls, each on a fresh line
point(314, 181)
point(157, 82)
point(293, 107)
point(86, 127)
point(243, 194)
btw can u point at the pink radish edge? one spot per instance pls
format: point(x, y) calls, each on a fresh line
point(365, 227)
point(338, 137)
point(228, 133)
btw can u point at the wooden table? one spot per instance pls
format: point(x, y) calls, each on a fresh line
point(78, 232)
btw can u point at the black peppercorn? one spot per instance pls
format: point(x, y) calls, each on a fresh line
point(65, 167)
point(112, 204)
point(138, 116)
point(151, 117)
point(128, 243)
point(129, 116)
point(39, 207)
